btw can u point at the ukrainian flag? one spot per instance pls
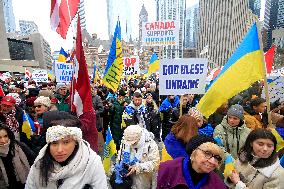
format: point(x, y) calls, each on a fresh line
point(243, 68)
point(62, 56)
point(114, 66)
point(109, 151)
point(95, 74)
point(165, 155)
point(279, 139)
point(229, 166)
point(28, 125)
point(154, 64)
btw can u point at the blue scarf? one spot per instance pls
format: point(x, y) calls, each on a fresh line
point(187, 177)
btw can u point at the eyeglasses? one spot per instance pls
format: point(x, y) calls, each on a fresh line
point(208, 155)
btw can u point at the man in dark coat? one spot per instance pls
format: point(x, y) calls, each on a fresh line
point(115, 115)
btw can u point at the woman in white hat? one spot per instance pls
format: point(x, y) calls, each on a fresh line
point(66, 161)
point(138, 158)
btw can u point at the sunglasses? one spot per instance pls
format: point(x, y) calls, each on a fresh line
point(38, 106)
point(208, 155)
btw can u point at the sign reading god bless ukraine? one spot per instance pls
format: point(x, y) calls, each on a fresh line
point(160, 33)
point(63, 72)
point(182, 76)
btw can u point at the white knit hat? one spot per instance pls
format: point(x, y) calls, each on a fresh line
point(60, 85)
point(59, 132)
point(132, 134)
point(41, 100)
point(194, 112)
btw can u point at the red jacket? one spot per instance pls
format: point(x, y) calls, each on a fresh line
point(89, 129)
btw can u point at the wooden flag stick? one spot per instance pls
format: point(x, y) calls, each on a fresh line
point(180, 106)
point(267, 98)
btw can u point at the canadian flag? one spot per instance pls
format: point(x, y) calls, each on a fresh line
point(28, 74)
point(269, 56)
point(81, 97)
point(61, 14)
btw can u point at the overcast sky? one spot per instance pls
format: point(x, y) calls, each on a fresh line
point(96, 17)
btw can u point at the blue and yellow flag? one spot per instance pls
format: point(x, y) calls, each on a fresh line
point(109, 151)
point(243, 68)
point(154, 64)
point(95, 74)
point(114, 66)
point(62, 56)
point(279, 139)
point(28, 125)
point(165, 155)
point(229, 166)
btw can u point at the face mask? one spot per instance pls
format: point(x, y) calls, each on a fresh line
point(172, 100)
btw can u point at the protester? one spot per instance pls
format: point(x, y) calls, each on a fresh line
point(182, 131)
point(135, 112)
point(194, 171)
point(204, 128)
point(42, 104)
point(217, 117)
point(255, 115)
point(66, 161)
point(138, 158)
point(11, 115)
point(167, 110)
point(232, 132)
point(45, 91)
point(15, 160)
point(61, 97)
point(115, 117)
point(258, 165)
point(152, 119)
point(98, 107)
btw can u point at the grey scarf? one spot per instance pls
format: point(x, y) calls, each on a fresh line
point(4, 149)
point(21, 166)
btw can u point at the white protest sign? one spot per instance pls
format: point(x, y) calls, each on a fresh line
point(275, 88)
point(182, 76)
point(160, 33)
point(63, 72)
point(131, 66)
point(40, 76)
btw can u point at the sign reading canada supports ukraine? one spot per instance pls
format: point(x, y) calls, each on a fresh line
point(160, 33)
point(63, 72)
point(182, 76)
point(131, 66)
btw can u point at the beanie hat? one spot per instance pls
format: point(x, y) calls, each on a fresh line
point(8, 100)
point(60, 118)
point(16, 96)
point(60, 85)
point(132, 134)
point(194, 112)
point(30, 101)
point(59, 132)
point(236, 110)
point(41, 100)
point(196, 141)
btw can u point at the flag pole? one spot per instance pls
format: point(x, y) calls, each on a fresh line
point(180, 106)
point(267, 98)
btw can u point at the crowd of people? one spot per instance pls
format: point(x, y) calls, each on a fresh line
point(162, 142)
